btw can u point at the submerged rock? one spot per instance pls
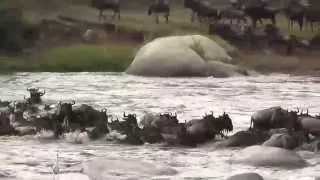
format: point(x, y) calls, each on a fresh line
point(102, 168)
point(285, 140)
point(269, 156)
point(246, 176)
point(191, 55)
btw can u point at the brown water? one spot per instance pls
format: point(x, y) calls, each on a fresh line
point(29, 158)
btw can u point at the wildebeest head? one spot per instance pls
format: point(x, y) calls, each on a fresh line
point(35, 95)
point(221, 123)
point(130, 118)
point(168, 117)
point(65, 109)
point(103, 116)
point(225, 122)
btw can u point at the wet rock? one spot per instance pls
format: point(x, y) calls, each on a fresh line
point(269, 156)
point(243, 139)
point(285, 140)
point(311, 124)
point(197, 51)
point(246, 176)
point(25, 130)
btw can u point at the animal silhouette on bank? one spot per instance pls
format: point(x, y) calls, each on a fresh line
point(159, 7)
point(103, 5)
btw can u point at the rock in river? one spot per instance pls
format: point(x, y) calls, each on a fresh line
point(190, 55)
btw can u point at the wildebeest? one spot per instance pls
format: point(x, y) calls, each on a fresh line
point(161, 127)
point(202, 130)
point(203, 9)
point(193, 5)
point(63, 117)
point(295, 14)
point(103, 5)
point(160, 7)
point(233, 14)
point(312, 16)
point(259, 13)
point(35, 95)
point(274, 117)
point(128, 127)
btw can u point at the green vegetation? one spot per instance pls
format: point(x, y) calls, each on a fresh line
point(75, 58)
point(11, 27)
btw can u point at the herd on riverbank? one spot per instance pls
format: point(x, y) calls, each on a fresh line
point(274, 126)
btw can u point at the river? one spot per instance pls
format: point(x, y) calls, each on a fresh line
point(27, 158)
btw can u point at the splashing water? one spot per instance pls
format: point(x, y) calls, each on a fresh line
point(25, 158)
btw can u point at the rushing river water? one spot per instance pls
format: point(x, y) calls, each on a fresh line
point(27, 158)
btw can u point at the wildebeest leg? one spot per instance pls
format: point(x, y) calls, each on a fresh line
point(167, 18)
point(157, 18)
point(114, 14)
point(100, 15)
point(289, 25)
point(300, 21)
point(273, 19)
point(192, 16)
point(118, 11)
point(254, 22)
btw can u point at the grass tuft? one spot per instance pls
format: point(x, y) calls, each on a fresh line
point(75, 58)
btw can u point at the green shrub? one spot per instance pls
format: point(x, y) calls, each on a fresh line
point(11, 28)
point(78, 58)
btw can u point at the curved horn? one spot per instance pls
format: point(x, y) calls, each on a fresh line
point(28, 89)
point(124, 114)
point(73, 102)
point(43, 92)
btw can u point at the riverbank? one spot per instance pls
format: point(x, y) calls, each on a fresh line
point(73, 58)
point(61, 47)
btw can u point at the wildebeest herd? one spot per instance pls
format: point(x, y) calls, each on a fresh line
point(32, 115)
point(239, 10)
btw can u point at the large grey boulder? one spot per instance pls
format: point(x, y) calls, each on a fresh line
point(246, 176)
point(269, 156)
point(190, 55)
